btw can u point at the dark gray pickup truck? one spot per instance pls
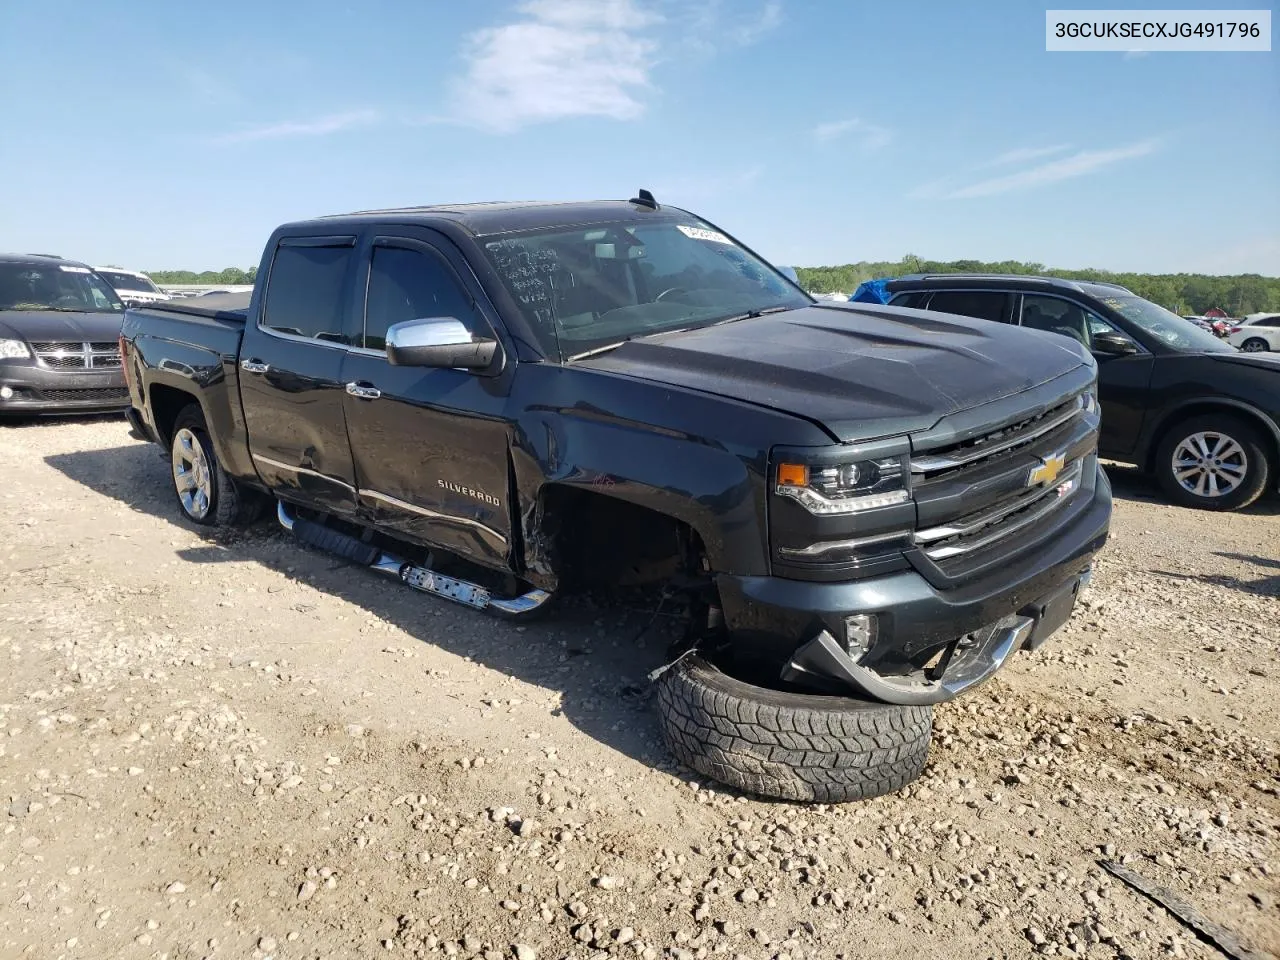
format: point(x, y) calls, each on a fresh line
point(864, 510)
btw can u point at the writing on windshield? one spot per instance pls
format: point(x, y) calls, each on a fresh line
point(586, 288)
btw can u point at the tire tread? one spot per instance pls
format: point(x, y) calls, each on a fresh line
point(789, 746)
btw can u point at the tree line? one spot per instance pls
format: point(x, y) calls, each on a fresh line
point(228, 276)
point(1183, 293)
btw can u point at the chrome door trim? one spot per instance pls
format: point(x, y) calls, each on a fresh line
point(432, 514)
point(304, 470)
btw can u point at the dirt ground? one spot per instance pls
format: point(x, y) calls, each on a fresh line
point(239, 747)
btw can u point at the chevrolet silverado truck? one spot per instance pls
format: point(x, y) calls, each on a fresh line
point(864, 510)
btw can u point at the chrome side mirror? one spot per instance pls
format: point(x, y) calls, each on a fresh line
point(438, 342)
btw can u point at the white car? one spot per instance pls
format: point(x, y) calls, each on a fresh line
point(1256, 333)
point(131, 286)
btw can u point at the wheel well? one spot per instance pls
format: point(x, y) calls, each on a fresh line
point(1198, 409)
point(166, 403)
point(594, 539)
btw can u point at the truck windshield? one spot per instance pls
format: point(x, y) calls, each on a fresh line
point(589, 288)
point(128, 281)
point(1167, 327)
point(55, 286)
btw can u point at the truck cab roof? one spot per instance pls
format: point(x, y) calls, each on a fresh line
point(490, 219)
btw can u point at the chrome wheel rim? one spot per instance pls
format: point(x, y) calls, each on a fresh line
point(191, 474)
point(1254, 346)
point(1210, 464)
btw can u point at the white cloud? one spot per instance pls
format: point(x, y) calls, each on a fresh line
point(870, 135)
point(1079, 164)
point(559, 59)
point(703, 26)
point(1135, 54)
point(753, 29)
point(321, 126)
point(1026, 155)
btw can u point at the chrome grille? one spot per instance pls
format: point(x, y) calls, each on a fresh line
point(78, 354)
point(1006, 439)
point(1003, 483)
point(985, 527)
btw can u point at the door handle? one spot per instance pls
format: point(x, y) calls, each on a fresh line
point(363, 391)
point(254, 366)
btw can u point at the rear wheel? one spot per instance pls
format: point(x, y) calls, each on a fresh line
point(1255, 345)
point(205, 493)
point(1213, 462)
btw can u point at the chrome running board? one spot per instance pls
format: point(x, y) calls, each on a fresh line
point(420, 578)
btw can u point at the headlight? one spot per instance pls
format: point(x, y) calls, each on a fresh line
point(846, 487)
point(13, 350)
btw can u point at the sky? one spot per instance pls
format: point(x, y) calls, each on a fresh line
point(160, 135)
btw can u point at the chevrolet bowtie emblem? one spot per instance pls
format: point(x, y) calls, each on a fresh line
point(1047, 471)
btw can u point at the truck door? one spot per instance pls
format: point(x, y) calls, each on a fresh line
point(430, 445)
point(290, 373)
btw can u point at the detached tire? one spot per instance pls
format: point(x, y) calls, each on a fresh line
point(786, 745)
point(1213, 462)
point(206, 495)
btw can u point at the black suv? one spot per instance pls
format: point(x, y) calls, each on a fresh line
point(1176, 400)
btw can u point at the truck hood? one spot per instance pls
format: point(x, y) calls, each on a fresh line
point(55, 325)
point(861, 371)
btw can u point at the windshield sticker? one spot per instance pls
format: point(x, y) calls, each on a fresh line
point(697, 233)
point(66, 269)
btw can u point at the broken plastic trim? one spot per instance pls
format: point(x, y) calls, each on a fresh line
point(822, 657)
point(428, 581)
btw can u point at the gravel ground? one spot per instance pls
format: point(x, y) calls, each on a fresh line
point(237, 747)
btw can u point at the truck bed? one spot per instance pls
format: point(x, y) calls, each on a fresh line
point(214, 306)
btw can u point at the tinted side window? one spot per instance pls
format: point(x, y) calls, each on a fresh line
point(409, 284)
point(1057, 316)
point(972, 303)
point(909, 299)
point(305, 291)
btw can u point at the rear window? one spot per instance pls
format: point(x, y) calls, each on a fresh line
point(128, 282)
point(305, 291)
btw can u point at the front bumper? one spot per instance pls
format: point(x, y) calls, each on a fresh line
point(35, 389)
point(779, 625)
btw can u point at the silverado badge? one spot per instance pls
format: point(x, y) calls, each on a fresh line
point(1047, 471)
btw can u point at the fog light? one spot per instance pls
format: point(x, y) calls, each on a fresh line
point(6, 393)
point(860, 632)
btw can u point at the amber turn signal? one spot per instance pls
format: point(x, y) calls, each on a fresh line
point(793, 475)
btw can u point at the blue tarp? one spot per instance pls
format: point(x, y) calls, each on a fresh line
point(872, 291)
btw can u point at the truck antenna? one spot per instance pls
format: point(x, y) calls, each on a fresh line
point(644, 199)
